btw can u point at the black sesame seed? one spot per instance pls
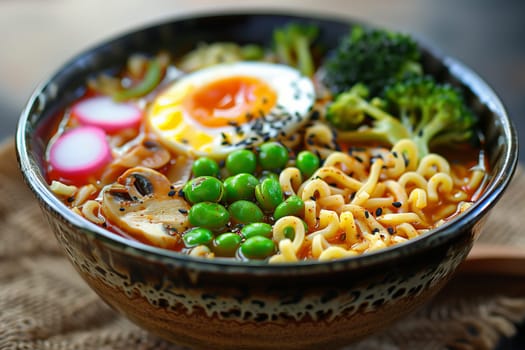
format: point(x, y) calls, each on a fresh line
point(121, 209)
point(312, 198)
point(379, 211)
point(359, 159)
point(171, 193)
point(376, 230)
point(390, 230)
point(394, 153)
point(367, 214)
point(183, 211)
point(70, 199)
point(397, 204)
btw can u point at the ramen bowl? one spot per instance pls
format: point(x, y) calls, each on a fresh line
point(220, 304)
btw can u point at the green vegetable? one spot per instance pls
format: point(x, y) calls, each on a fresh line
point(252, 52)
point(205, 166)
point(241, 161)
point(245, 212)
point(257, 229)
point(240, 186)
point(208, 215)
point(418, 108)
point(226, 244)
point(269, 194)
point(204, 189)
point(197, 236)
point(292, 46)
point(293, 205)
point(273, 156)
point(206, 55)
point(371, 57)
point(257, 247)
point(151, 79)
point(307, 162)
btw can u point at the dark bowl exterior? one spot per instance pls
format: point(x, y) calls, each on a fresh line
point(223, 305)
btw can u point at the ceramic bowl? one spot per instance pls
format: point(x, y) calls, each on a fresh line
point(209, 304)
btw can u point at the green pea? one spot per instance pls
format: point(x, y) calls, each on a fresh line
point(241, 161)
point(240, 186)
point(267, 174)
point(272, 155)
point(269, 194)
point(208, 215)
point(289, 231)
point(204, 189)
point(226, 244)
point(197, 236)
point(205, 166)
point(257, 247)
point(293, 205)
point(307, 162)
point(245, 212)
point(257, 229)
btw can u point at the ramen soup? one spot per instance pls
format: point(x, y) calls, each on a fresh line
point(247, 153)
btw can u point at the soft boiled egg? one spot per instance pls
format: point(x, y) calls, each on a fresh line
point(218, 109)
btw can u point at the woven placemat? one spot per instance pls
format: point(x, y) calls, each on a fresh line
point(45, 305)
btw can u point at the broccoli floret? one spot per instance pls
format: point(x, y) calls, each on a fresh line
point(351, 110)
point(435, 114)
point(372, 57)
point(418, 108)
point(292, 46)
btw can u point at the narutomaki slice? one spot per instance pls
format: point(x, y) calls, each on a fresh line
point(107, 114)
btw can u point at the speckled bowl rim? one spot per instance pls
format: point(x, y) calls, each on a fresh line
point(446, 232)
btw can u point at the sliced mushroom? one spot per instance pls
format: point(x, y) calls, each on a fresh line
point(143, 204)
point(148, 154)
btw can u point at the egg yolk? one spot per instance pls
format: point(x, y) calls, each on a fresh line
point(232, 100)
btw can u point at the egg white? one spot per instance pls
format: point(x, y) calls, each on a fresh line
point(180, 132)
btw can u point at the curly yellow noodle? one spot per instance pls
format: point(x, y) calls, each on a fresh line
point(394, 219)
point(286, 252)
point(314, 188)
point(348, 226)
point(406, 230)
point(413, 179)
point(83, 194)
point(334, 202)
point(476, 179)
point(290, 180)
point(442, 182)
point(319, 244)
point(310, 213)
point(368, 187)
point(61, 189)
point(346, 163)
point(319, 139)
point(328, 223)
point(379, 190)
point(280, 226)
point(432, 164)
point(444, 212)
point(382, 202)
point(418, 199)
point(399, 193)
point(407, 149)
point(90, 210)
point(335, 175)
point(332, 253)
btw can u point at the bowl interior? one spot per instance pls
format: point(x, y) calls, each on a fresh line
point(178, 37)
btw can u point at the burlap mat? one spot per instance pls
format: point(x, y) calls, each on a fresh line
point(45, 305)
